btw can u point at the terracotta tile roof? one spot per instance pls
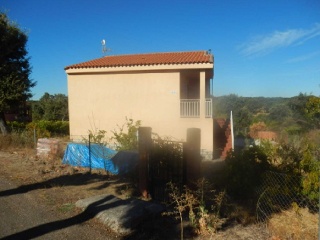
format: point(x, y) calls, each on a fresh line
point(147, 59)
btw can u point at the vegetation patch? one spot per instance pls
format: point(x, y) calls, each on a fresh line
point(201, 207)
point(294, 223)
point(67, 207)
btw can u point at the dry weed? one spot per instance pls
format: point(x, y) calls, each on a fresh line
point(295, 223)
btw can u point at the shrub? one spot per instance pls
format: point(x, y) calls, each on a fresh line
point(310, 170)
point(16, 126)
point(297, 179)
point(46, 128)
point(98, 137)
point(39, 128)
point(300, 158)
point(244, 171)
point(125, 136)
point(17, 139)
point(25, 134)
point(202, 207)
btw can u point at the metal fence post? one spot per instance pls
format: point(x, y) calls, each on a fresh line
point(35, 137)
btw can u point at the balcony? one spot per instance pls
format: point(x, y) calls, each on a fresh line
point(190, 108)
point(208, 107)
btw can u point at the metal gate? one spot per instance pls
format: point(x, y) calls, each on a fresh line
point(166, 164)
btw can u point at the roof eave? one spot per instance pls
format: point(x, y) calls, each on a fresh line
point(158, 67)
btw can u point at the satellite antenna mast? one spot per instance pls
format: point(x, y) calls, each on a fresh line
point(104, 47)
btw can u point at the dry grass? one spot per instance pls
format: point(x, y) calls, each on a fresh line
point(17, 140)
point(295, 223)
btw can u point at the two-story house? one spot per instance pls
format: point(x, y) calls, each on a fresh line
point(168, 92)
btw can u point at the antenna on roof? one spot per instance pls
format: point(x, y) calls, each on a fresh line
point(104, 47)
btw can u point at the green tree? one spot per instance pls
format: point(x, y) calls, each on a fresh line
point(297, 105)
point(222, 106)
point(242, 120)
point(280, 112)
point(51, 107)
point(312, 110)
point(15, 84)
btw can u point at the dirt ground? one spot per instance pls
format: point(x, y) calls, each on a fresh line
point(59, 186)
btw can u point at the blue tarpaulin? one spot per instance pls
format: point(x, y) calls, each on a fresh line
point(100, 157)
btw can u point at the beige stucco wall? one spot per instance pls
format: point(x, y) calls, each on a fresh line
point(102, 100)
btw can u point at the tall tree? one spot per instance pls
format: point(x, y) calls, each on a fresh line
point(15, 84)
point(242, 120)
point(51, 107)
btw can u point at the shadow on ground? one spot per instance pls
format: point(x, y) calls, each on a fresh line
point(90, 212)
point(151, 225)
point(78, 179)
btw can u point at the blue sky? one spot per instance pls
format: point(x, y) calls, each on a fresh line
point(261, 48)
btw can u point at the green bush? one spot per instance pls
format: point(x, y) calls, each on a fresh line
point(46, 128)
point(97, 136)
point(244, 172)
point(310, 171)
point(23, 134)
point(125, 137)
point(59, 127)
point(299, 157)
point(16, 126)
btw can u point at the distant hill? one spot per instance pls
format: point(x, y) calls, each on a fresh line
point(290, 115)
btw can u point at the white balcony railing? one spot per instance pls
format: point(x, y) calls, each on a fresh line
point(209, 108)
point(191, 108)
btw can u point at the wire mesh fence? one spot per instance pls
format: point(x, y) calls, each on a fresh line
point(286, 209)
